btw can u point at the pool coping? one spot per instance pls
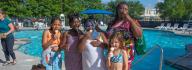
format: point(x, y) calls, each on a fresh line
point(175, 32)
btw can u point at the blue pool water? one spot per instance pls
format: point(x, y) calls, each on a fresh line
point(172, 44)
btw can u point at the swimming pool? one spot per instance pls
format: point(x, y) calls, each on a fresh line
point(172, 44)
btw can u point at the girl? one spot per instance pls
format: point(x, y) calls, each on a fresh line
point(7, 38)
point(51, 57)
point(90, 47)
point(117, 56)
point(70, 39)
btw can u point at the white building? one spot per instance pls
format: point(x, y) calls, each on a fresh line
point(151, 15)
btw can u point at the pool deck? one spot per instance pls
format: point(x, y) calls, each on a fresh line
point(182, 62)
point(174, 31)
point(24, 62)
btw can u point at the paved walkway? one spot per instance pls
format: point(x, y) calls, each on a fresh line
point(183, 62)
point(24, 62)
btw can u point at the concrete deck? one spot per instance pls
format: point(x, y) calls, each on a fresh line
point(24, 62)
point(183, 33)
point(178, 32)
point(183, 62)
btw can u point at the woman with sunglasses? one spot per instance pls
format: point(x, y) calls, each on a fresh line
point(91, 48)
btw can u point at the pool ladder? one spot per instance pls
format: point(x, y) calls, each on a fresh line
point(147, 53)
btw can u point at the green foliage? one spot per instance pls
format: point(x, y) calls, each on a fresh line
point(175, 9)
point(188, 8)
point(47, 8)
point(136, 9)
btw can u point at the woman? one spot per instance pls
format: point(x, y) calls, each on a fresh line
point(51, 57)
point(125, 25)
point(70, 39)
point(91, 48)
point(7, 38)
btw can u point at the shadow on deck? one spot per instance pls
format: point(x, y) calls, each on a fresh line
point(182, 62)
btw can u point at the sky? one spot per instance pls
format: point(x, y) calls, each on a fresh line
point(146, 3)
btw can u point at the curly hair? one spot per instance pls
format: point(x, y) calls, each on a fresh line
point(119, 37)
point(73, 16)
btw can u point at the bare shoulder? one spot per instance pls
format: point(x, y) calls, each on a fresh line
point(65, 33)
point(124, 52)
point(46, 31)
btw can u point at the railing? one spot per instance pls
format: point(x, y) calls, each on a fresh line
point(152, 49)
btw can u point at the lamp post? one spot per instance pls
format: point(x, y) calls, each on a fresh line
point(62, 16)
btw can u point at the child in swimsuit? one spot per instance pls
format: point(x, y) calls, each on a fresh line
point(117, 56)
point(51, 56)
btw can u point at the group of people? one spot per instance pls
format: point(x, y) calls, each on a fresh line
point(84, 50)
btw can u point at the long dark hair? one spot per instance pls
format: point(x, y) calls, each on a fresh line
point(53, 20)
point(116, 15)
point(116, 11)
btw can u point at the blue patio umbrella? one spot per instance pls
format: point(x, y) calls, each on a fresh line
point(95, 11)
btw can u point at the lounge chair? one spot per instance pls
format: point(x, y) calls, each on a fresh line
point(184, 28)
point(175, 27)
point(189, 30)
point(168, 27)
point(162, 26)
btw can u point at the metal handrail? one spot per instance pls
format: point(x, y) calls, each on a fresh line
point(161, 56)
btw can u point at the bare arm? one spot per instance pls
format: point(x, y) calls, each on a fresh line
point(105, 41)
point(125, 58)
point(63, 44)
point(101, 41)
point(109, 59)
point(137, 31)
point(45, 42)
point(12, 29)
point(81, 44)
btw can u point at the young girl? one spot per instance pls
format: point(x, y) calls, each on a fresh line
point(51, 57)
point(117, 56)
point(90, 47)
point(70, 39)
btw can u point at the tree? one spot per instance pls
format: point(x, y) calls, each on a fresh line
point(47, 8)
point(188, 8)
point(136, 9)
point(75, 6)
point(172, 9)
